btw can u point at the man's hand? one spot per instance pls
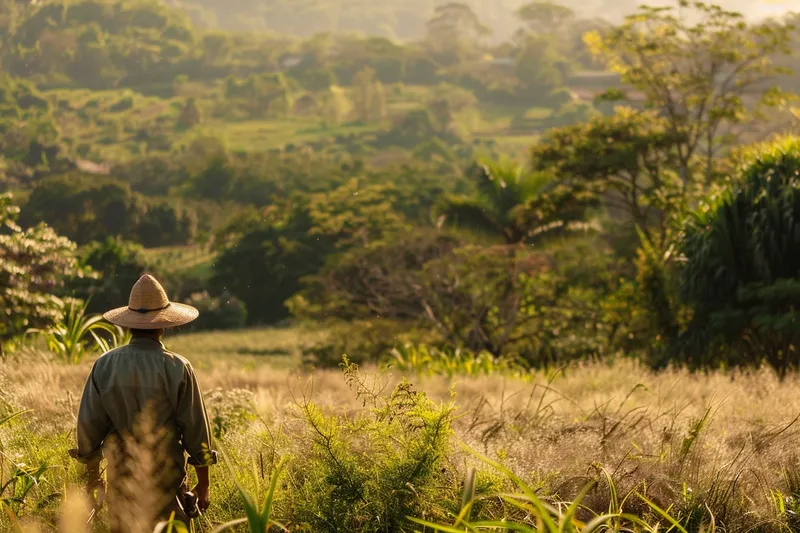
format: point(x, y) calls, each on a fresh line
point(203, 493)
point(203, 488)
point(96, 485)
point(97, 491)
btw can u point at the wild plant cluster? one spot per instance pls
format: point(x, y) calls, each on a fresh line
point(596, 446)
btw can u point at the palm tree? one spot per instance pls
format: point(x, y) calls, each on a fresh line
point(516, 204)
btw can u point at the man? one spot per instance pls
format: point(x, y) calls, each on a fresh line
point(142, 385)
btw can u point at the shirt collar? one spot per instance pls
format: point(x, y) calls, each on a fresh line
point(144, 341)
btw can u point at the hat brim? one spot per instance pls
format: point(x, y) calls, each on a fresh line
point(173, 316)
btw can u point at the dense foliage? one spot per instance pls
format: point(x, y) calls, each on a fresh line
point(36, 266)
point(741, 270)
point(376, 183)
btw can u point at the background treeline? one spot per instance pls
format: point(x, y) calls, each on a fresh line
point(404, 20)
point(581, 188)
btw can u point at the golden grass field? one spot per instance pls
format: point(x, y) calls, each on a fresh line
point(724, 442)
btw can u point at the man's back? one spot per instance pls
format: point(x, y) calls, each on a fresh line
point(143, 387)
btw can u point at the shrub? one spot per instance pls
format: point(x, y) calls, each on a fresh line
point(229, 409)
point(560, 97)
point(742, 270)
point(77, 334)
point(370, 472)
point(123, 104)
point(36, 265)
point(432, 361)
point(572, 112)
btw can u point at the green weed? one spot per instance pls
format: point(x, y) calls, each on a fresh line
point(259, 517)
point(21, 479)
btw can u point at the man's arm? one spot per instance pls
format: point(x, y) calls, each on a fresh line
point(94, 425)
point(196, 433)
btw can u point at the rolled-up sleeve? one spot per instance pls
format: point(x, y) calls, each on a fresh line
point(193, 421)
point(94, 424)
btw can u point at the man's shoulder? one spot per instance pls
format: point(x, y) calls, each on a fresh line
point(110, 355)
point(176, 358)
point(170, 357)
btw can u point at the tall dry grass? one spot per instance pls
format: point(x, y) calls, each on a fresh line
point(695, 444)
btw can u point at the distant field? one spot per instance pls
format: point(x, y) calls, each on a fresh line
point(118, 125)
point(245, 349)
point(182, 257)
point(267, 134)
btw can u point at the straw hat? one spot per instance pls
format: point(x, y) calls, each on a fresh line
point(149, 308)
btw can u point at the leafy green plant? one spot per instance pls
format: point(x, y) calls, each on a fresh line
point(740, 267)
point(368, 472)
point(21, 479)
point(431, 361)
point(541, 516)
point(517, 204)
point(259, 517)
point(74, 337)
point(35, 266)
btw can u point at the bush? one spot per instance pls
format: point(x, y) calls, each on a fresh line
point(572, 112)
point(314, 79)
point(742, 269)
point(123, 104)
point(363, 341)
point(369, 473)
point(217, 313)
point(87, 208)
point(560, 97)
point(36, 265)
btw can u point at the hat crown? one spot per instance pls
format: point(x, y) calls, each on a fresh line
point(147, 294)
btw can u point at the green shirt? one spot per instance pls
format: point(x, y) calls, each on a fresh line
point(143, 374)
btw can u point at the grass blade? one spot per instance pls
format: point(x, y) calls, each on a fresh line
point(663, 513)
point(228, 525)
point(267, 508)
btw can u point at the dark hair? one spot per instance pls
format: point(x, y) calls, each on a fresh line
point(146, 332)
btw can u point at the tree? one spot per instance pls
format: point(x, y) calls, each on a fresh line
point(517, 205)
point(36, 267)
point(446, 100)
point(378, 280)
point(88, 209)
point(379, 109)
point(545, 18)
point(454, 32)
point(356, 213)
point(190, 115)
point(119, 263)
point(370, 97)
point(415, 127)
point(741, 270)
point(706, 74)
point(537, 66)
point(263, 260)
point(631, 157)
point(10, 14)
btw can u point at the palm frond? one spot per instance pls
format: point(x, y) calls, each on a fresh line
point(473, 214)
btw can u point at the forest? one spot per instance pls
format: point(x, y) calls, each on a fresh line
point(538, 192)
point(550, 198)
